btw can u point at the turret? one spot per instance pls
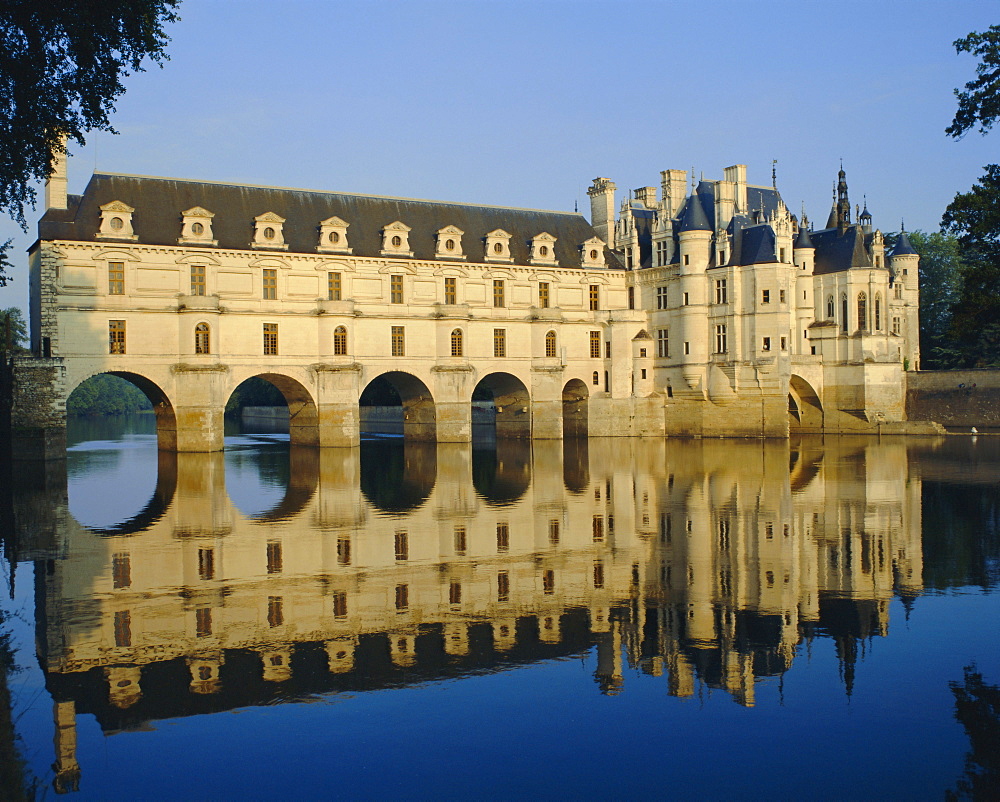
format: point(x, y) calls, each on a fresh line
point(695, 235)
point(843, 203)
point(602, 209)
point(805, 262)
point(904, 262)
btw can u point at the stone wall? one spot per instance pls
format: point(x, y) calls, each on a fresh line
point(957, 398)
point(38, 418)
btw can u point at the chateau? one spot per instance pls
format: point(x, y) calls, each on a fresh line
point(701, 311)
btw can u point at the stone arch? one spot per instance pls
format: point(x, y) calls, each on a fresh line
point(415, 418)
point(163, 407)
point(303, 414)
point(575, 397)
point(804, 406)
point(511, 403)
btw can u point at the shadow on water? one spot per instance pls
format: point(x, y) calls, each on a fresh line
point(977, 709)
point(397, 475)
point(501, 470)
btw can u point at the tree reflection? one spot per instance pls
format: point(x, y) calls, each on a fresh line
point(977, 708)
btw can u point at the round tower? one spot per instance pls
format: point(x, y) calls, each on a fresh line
point(804, 256)
point(694, 233)
point(904, 299)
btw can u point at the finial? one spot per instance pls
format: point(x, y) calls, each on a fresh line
point(576, 206)
point(834, 190)
point(902, 226)
point(774, 173)
point(692, 178)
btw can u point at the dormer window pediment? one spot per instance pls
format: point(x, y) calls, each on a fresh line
point(268, 232)
point(449, 243)
point(498, 246)
point(396, 239)
point(333, 236)
point(116, 221)
point(543, 249)
point(196, 227)
point(592, 253)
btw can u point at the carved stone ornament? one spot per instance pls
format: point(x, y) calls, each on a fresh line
point(543, 249)
point(396, 239)
point(498, 246)
point(268, 232)
point(196, 227)
point(449, 243)
point(592, 253)
point(116, 221)
point(333, 236)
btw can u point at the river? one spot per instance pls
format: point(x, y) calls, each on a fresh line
point(682, 618)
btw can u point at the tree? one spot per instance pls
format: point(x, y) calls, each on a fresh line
point(979, 103)
point(18, 330)
point(61, 70)
point(974, 217)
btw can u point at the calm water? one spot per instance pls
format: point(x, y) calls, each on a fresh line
point(685, 619)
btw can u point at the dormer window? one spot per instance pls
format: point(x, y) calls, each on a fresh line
point(196, 228)
point(449, 243)
point(592, 253)
point(116, 221)
point(498, 246)
point(395, 240)
point(333, 236)
point(543, 249)
point(268, 232)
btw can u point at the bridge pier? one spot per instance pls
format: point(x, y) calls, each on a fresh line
point(454, 422)
point(339, 425)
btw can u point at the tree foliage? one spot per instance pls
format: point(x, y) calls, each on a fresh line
point(979, 101)
point(254, 392)
point(62, 63)
point(18, 330)
point(5, 264)
point(977, 709)
point(974, 218)
point(107, 395)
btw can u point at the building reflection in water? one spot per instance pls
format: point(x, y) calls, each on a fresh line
point(702, 562)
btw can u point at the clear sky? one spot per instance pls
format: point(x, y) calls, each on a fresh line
point(523, 103)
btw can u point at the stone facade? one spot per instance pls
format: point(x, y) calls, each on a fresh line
point(692, 314)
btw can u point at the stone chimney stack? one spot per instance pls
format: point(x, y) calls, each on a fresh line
point(55, 184)
point(602, 209)
point(738, 175)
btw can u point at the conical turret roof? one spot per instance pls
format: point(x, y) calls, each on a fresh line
point(803, 240)
point(902, 246)
point(693, 218)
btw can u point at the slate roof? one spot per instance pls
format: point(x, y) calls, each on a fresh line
point(158, 203)
point(902, 246)
point(803, 240)
point(693, 218)
point(757, 245)
point(836, 252)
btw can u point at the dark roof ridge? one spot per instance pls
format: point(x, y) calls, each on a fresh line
point(328, 192)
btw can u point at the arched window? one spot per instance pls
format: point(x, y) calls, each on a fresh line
point(862, 311)
point(456, 342)
point(878, 311)
point(829, 308)
point(597, 378)
point(843, 311)
point(202, 342)
point(550, 343)
point(340, 341)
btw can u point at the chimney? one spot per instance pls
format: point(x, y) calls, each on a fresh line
point(55, 184)
point(738, 175)
point(602, 209)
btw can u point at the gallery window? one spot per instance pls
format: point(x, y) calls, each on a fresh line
point(595, 345)
point(498, 292)
point(396, 288)
point(270, 284)
point(333, 285)
point(116, 336)
point(398, 341)
point(500, 343)
point(116, 277)
point(456, 342)
point(202, 341)
point(543, 294)
point(550, 344)
point(340, 341)
point(197, 279)
point(595, 297)
point(451, 290)
point(270, 339)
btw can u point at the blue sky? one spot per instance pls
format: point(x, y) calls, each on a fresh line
point(523, 103)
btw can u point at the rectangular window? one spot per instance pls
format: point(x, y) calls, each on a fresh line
point(781, 254)
point(595, 297)
point(767, 344)
point(595, 345)
point(607, 349)
point(721, 292)
point(663, 343)
point(549, 581)
point(543, 294)
point(503, 586)
point(116, 278)
point(661, 252)
point(197, 279)
point(203, 622)
point(402, 546)
point(498, 292)
point(661, 297)
point(275, 611)
point(398, 341)
point(503, 538)
point(123, 628)
point(450, 290)
point(340, 604)
point(396, 289)
point(687, 349)
point(687, 299)
point(642, 371)
point(460, 541)
point(765, 296)
point(781, 296)
point(628, 258)
point(343, 550)
point(687, 259)
point(402, 597)
point(784, 344)
point(598, 529)
point(455, 593)
point(116, 336)
point(896, 326)
point(720, 340)
point(121, 570)
point(206, 563)
point(270, 339)
point(334, 286)
point(500, 343)
point(270, 284)
point(631, 297)
point(554, 531)
point(598, 575)
point(274, 557)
